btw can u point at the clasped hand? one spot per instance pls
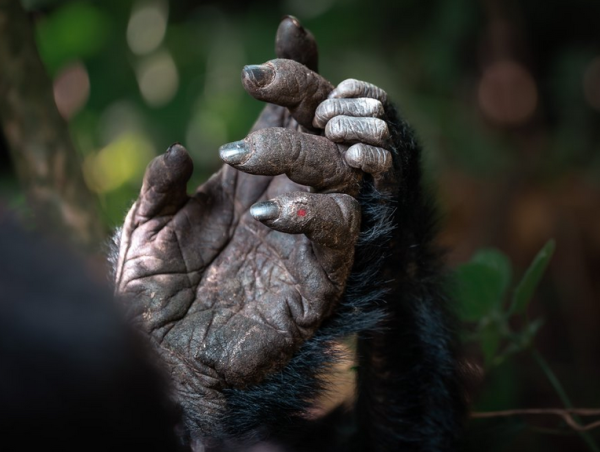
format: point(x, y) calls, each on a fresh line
point(229, 282)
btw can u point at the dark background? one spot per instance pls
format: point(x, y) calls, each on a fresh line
point(504, 95)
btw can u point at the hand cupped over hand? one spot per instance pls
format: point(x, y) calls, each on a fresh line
point(231, 281)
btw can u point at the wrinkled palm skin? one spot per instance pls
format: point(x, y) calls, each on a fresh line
point(226, 299)
point(224, 295)
point(244, 301)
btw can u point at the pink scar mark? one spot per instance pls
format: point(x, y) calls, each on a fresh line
point(301, 213)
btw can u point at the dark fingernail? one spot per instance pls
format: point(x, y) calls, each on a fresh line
point(259, 74)
point(294, 20)
point(234, 153)
point(175, 150)
point(266, 210)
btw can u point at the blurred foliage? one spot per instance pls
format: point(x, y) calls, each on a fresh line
point(482, 300)
point(423, 53)
point(490, 314)
point(541, 174)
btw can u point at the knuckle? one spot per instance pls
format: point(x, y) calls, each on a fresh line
point(320, 115)
point(377, 107)
point(381, 130)
point(349, 82)
point(363, 107)
point(348, 88)
point(332, 108)
point(354, 107)
point(346, 203)
point(334, 129)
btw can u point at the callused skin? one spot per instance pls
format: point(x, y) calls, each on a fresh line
point(229, 282)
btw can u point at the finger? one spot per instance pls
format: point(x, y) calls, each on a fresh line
point(164, 188)
point(306, 159)
point(346, 129)
point(370, 159)
point(352, 88)
point(326, 219)
point(294, 42)
point(289, 84)
point(363, 107)
point(331, 222)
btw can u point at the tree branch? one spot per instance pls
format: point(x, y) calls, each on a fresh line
point(564, 413)
point(44, 158)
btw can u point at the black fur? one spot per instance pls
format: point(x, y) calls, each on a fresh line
point(284, 397)
point(410, 361)
point(409, 391)
point(410, 397)
point(73, 376)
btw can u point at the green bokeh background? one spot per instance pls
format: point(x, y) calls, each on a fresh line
point(428, 55)
point(511, 185)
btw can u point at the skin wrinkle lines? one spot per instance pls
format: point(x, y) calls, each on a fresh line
point(258, 278)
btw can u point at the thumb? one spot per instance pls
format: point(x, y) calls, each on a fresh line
point(164, 189)
point(294, 42)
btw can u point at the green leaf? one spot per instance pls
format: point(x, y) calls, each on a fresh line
point(479, 290)
point(490, 342)
point(497, 260)
point(482, 284)
point(531, 279)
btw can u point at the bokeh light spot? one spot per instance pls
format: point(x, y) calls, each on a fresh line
point(123, 160)
point(158, 79)
point(507, 93)
point(147, 26)
point(71, 89)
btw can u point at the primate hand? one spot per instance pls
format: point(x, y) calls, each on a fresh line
point(231, 281)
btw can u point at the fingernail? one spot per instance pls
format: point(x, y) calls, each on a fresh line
point(234, 153)
point(294, 20)
point(174, 151)
point(266, 210)
point(259, 74)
